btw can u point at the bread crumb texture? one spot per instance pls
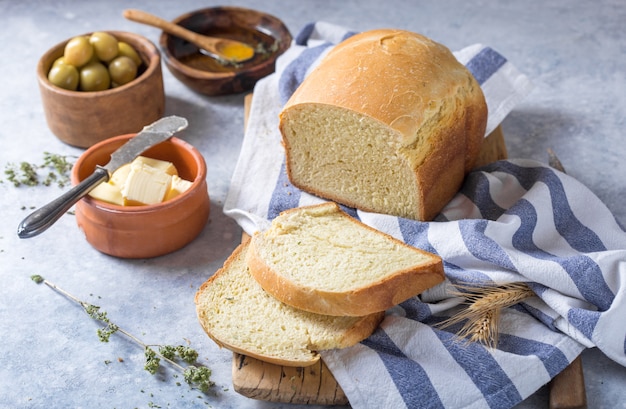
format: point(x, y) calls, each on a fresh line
point(331, 252)
point(389, 122)
point(238, 314)
point(319, 259)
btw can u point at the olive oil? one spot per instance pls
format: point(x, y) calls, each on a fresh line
point(193, 57)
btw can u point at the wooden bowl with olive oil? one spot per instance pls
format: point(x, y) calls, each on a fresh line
point(208, 75)
point(83, 118)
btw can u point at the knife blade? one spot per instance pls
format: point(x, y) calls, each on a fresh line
point(44, 217)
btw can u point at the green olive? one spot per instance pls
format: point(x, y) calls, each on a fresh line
point(64, 76)
point(122, 70)
point(128, 50)
point(78, 51)
point(105, 45)
point(94, 58)
point(58, 61)
point(94, 77)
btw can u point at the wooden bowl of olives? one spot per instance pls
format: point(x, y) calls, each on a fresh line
point(207, 75)
point(98, 85)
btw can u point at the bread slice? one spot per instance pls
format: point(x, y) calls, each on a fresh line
point(237, 314)
point(388, 122)
point(319, 259)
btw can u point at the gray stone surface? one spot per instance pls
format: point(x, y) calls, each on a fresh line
point(574, 51)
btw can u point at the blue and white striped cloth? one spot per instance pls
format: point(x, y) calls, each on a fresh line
point(514, 220)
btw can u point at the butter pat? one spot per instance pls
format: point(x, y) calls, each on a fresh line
point(161, 165)
point(107, 192)
point(111, 191)
point(118, 178)
point(145, 185)
point(144, 181)
point(177, 187)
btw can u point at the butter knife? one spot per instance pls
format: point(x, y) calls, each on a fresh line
point(44, 217)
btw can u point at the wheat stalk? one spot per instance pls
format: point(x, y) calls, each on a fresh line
point(483, 329)
point(482, 314)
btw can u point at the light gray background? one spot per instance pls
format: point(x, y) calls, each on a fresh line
point(574, 51)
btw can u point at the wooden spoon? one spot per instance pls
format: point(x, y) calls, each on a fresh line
point(226, 49)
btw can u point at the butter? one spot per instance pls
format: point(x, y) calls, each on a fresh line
point(144, 181)
point(108, 192)
point(145, 185)
point(111, 191)
point(118, 178)
point(177, 187)
point(162, 165)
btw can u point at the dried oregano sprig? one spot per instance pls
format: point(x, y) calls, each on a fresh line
point(196, 376)
point(484, 303)
point(54, 169)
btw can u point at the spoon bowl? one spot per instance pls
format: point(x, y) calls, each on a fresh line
point(224, 49)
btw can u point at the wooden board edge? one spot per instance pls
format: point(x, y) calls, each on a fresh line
point(567, 389)
point(492, 149)
point(260, 380)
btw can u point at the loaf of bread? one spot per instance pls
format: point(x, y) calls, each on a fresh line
point(388, 122)
point(319, 259)
point(237, 314)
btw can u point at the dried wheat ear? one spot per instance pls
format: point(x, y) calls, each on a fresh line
point(483, 306)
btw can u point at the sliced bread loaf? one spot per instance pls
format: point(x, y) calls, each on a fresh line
point(319, 259)
point(388, 122)
point(237, 314)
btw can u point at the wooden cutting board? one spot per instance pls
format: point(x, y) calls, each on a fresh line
point(315, 384)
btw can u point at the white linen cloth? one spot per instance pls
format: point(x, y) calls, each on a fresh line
point(513, 220)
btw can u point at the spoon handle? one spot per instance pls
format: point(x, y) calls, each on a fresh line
point(39, 220)
point(167, 26)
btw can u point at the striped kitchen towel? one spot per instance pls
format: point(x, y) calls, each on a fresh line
point(513, 221)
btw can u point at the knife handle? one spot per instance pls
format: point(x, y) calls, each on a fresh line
point(44, 217)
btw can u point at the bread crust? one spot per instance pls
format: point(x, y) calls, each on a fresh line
point(408, 83)
point(361, 329)
point(375, 297)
